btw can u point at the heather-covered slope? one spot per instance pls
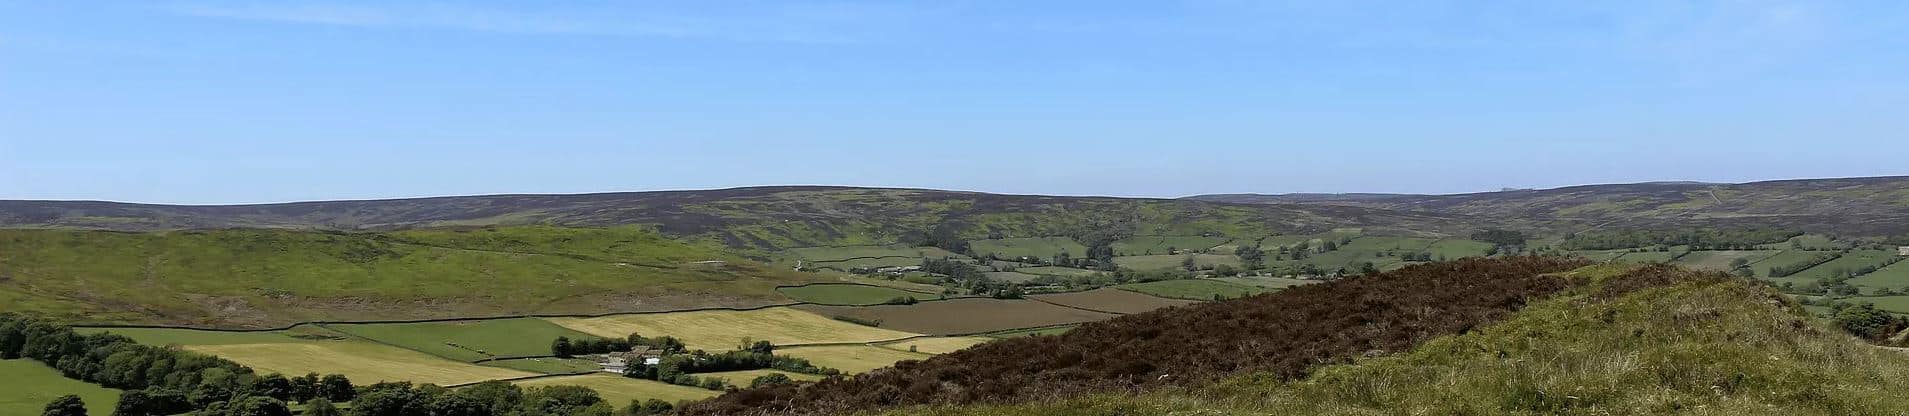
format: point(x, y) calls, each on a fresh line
point(1874, 206)
point(1651, 341)
point(756, 218)
point(1284, 334)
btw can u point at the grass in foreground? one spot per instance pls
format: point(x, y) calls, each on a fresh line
point(1710, 347)
point(725, 330)
point(27, 385)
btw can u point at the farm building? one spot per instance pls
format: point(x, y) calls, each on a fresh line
point(616, 362)
point(1902, 251)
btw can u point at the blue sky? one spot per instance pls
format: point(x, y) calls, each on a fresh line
point(262, 101)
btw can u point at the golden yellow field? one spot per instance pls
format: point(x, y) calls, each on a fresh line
point(742, 378)
point(620, 390)
point(724, 330)
point(363, 362)
point(852, 358)
point(937, 345)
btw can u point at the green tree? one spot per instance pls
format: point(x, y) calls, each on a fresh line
point(258, 406)
point(561, 347)
point(68, 405)
point(1868, 322)
point(772, 379)
point(321, 407)
point(337, 388)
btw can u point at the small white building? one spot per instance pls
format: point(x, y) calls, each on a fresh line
point(1902, 251)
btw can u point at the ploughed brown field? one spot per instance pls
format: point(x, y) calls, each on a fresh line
point(1282, 335)
point(1111, 300)
point(962, 316)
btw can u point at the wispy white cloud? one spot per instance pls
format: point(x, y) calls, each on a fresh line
point(791, 24)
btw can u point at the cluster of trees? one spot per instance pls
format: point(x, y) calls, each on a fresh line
point(1251, 257)
point(1417, 256)
point(494, 398)
point(1697, 238)
point(157, 380)
point(953, 268)
point(1865, 321)
point(566, 347)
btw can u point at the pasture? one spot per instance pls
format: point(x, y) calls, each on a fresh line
point(853, 359)
point(619, 390)
point(833, 253)
point(725, 330)
point(845, 265)
point(467, 340)
point(1455, 248)
point(546, 365)
point(963, 316)
point(1720, 260)
point(1055, 271)
point(1039, 247)
point(1267, 282)
point(1371, 244)
point(1054, 330)
point(29, 385)
point(848, 294)
point(1109, 299)
point(742, 378)
point(1598, 255)
point(1785, 258)
point(1175, 261)
point(1897, 304)
point(1850, 262)
point(1011, 277)
point(171, 336)
point(363, 362)
point(1153, 245)
point(1896, 276)
point(1193, 289)
point(936, 345)
point(1653, 256)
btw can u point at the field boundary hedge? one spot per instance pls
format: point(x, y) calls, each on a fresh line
point(779, 288)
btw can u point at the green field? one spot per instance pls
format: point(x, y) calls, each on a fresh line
point(1013, 277)
point(1267, 282)
point(264, 277)
point(846, 265)
point(1152, 245)
point(1896, 276)
point(619, 390)
point(1392, 244)
point(742, 378)
point(1055, 271)
point(849, 294)
point(28, 385)
point(853, 359)
point(1720, 260)
point(725, 330)
point(467, 340)
point(1057, 330)
point(1806, 241)
point(833, 253)
point(1653, 256)
point(547, 365)
point(1897, 304)
point(1160, 262)
point(1787, 257)
point(1194, 289)
point(1453, 249)
point(310, 349)
point(1038, 247)
point(1848, 263)
point(1598, 255)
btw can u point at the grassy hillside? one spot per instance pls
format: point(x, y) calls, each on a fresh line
point(762, 218)
point(263, 277)
point(1875, 206)
point(1651, 342)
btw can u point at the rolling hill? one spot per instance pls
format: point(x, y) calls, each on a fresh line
point(1874, 206)
point(761, 218)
